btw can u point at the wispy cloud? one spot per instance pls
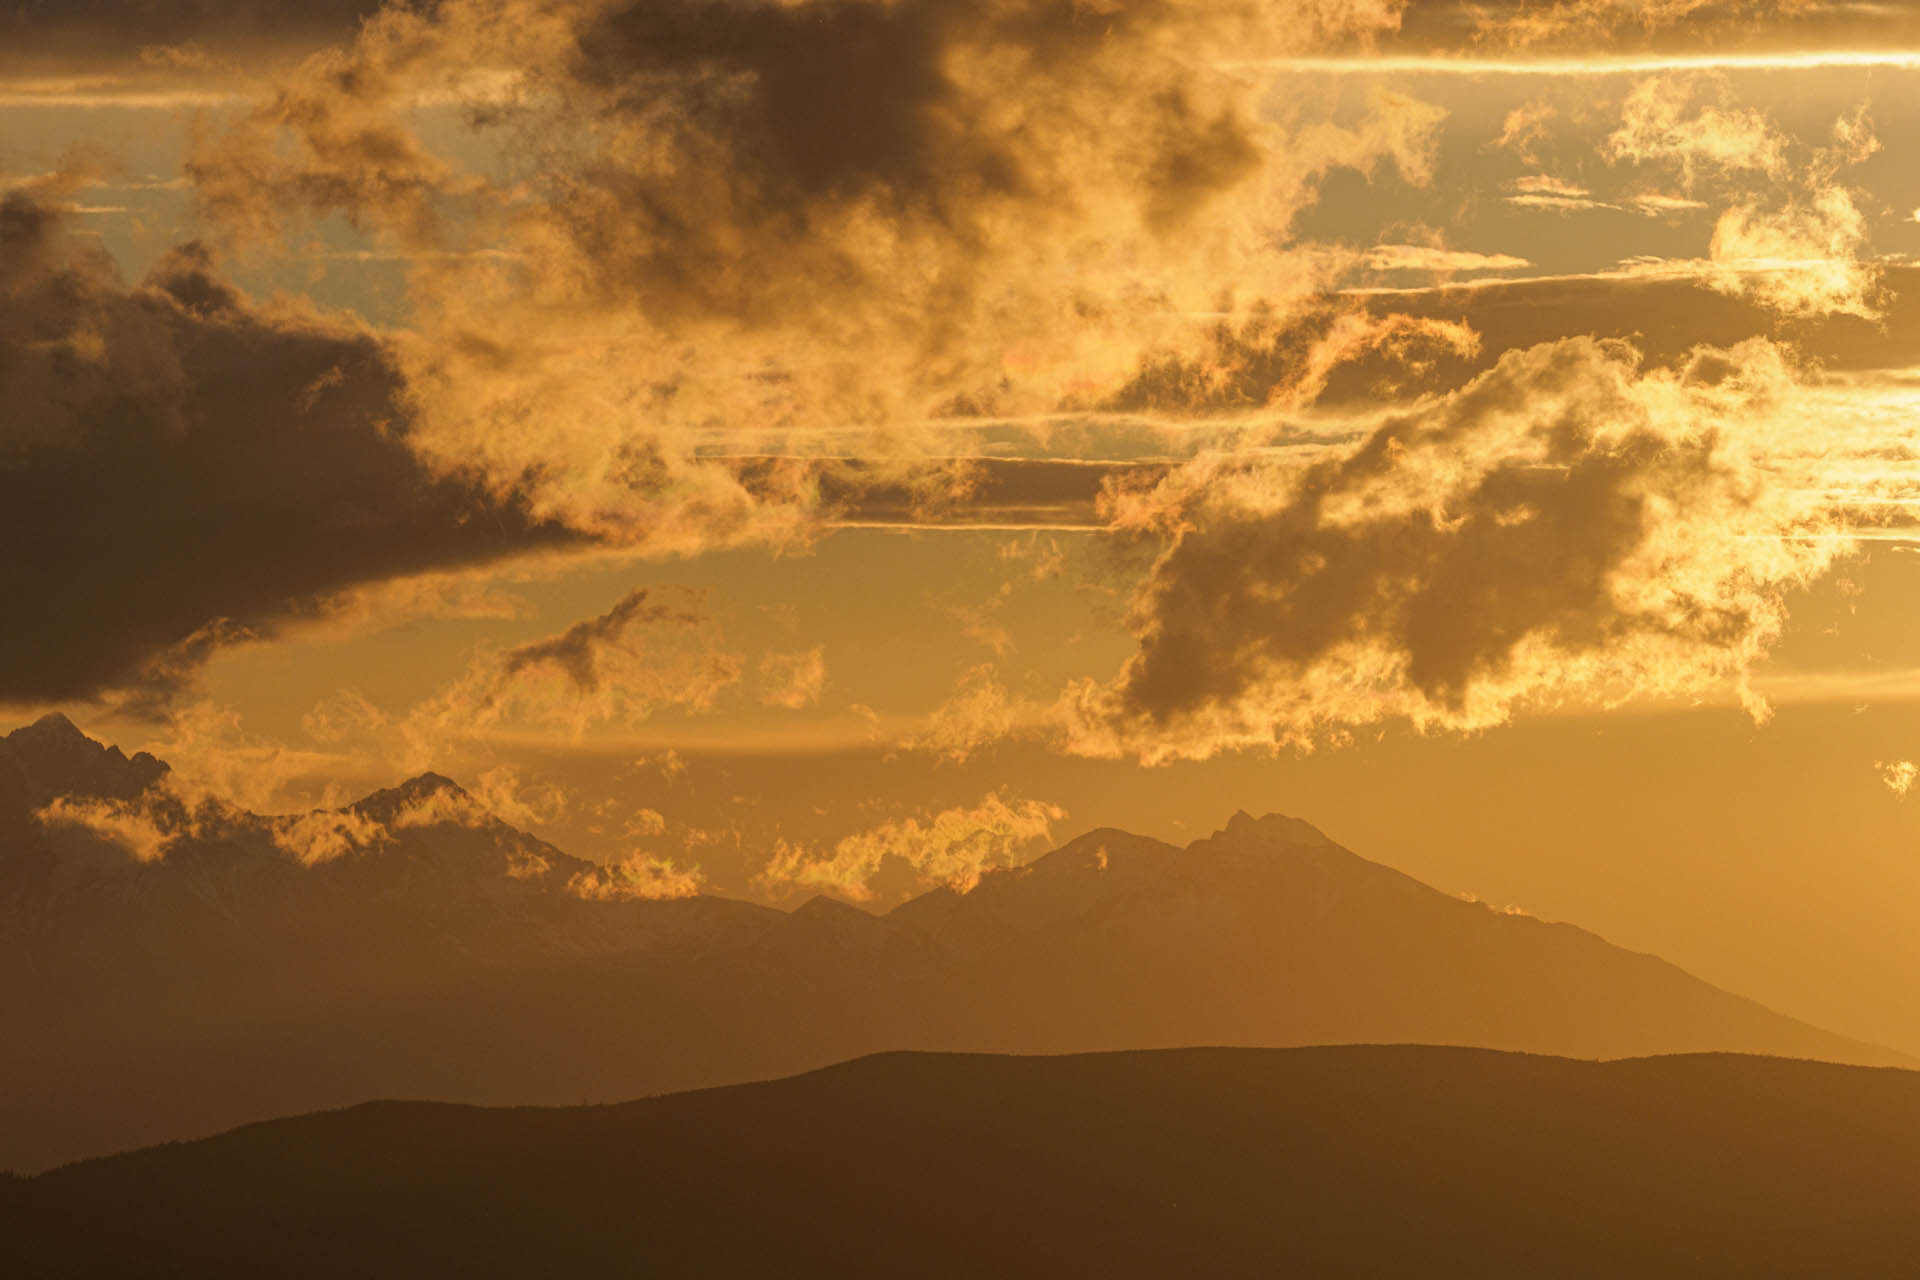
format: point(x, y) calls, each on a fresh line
point(954, 847)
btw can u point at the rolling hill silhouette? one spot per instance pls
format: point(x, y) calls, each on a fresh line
point(455, 957)
point(1345, 1161)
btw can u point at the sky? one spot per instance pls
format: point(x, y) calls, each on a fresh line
point(781, 446)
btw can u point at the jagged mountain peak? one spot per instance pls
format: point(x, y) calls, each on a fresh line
point(421, 789)
point(429, 782)
point(54, 737)
point(51, 726)
point(53, 757)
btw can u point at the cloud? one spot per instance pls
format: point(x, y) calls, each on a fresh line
point(583, 651)
point(646, 823)
point(441, 806)
point(326, 834)
point(793, 680)
point(1524, 128)
point(1414, 257)
point(1665, 308)
point(1800, 256)
point(131, 825)
point(1570, 524)
point(1800, 260)
point(1898, 775)
point(217, 764)
point(978, 713)
point(1608, 25)
point(1541, 191)
point(642, 877)
point(1661, 124)
point(1285, 361)
point(618, 667)
point(757, 220)
point(181, 35)
point(954, 847)
point(180, 469)
point(503, 793)
point(1661, 204)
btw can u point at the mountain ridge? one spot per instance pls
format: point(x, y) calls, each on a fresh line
point(1356, 1160)
point(456, 956)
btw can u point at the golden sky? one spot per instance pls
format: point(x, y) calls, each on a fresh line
point(779, 445)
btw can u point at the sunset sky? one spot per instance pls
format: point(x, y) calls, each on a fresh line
point(782, 446)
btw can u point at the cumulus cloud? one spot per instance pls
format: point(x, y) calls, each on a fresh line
point(1570, 523)
point(759, 219)
point(1800, 260)
point(1898, 775)
point(954, 847)
point(180, 469)
point(1798, 252)
point(1804, 258)
point(1691, 123)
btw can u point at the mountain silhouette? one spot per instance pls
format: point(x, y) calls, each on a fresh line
point(421, 947)
point(51, 758)
point(1345, 1161)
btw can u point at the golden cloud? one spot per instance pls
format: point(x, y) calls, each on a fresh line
point(954, 847)
point(1568, 524)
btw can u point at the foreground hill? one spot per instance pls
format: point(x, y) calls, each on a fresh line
point(1354, 1161)
point(412, 945)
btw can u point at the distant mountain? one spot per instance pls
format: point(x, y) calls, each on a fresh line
point(51, 758)
point(1357, 1162)
point(413, 945)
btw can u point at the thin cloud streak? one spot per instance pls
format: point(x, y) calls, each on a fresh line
point(1633, 64)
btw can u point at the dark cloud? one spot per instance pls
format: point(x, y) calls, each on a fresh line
point(179, 468)
point(776, 121)
point(577, 650)
point(101, 34)
point(1569, 520)
point(762, 218)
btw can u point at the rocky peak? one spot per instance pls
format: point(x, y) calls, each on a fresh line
point(52, 757)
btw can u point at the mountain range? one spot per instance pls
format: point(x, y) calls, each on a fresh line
point(1355, 1161)
point(413, 946)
